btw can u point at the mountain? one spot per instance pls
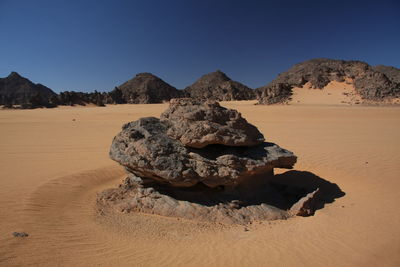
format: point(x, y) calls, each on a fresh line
point(17, 90)
point(147, 88)
point(217, 86)
point(371, 83)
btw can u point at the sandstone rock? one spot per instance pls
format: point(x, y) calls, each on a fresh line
point(306, 205)
point(197, 124)
point(195, 203)
point(174, 171)
point(144, 148)
point(217, 86)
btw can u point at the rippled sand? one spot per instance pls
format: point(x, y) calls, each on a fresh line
point(53, 162)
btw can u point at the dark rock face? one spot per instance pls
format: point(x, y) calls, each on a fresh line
point(371, 83)
point(197, 124)
point(218, 86)
point(146, 88)
point(17, 90)
point(391, 72)
point(274, 93)
point(218, 182)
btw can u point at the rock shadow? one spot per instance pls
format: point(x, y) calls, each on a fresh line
point(296, 184)
point(281, 191)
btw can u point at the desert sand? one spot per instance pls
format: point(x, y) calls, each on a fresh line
point(54, 161)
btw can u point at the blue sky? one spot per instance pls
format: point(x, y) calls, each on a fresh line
point(97, 45)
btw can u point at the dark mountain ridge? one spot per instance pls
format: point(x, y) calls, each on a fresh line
point(17, 90)
point(371, 83)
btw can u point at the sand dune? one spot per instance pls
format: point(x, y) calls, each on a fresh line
point(52, 166)
point(335, 93)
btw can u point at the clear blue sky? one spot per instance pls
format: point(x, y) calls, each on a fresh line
point(87, 45)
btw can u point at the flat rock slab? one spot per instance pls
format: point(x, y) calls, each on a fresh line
point(240, 205)
point(133, 197)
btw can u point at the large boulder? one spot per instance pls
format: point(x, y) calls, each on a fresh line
point(222, 178)
point(196, 124)
point(144, 148)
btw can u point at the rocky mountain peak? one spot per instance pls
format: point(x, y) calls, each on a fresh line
point(218, 86)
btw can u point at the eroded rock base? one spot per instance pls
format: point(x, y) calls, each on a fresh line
point(257, 201)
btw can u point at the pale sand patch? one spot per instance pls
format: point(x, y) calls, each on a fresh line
point(45, 190)
point(334, 93)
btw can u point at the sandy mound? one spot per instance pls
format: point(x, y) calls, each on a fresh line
point(334, 93)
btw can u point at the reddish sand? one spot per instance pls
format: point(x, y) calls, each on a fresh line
point(53, 161)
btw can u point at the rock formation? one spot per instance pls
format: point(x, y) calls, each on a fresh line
point(391, 72)
point(222, 175)
point(198, 125)
point(218, 86)
point(371, 83)
point(146, 88)
point(17, 90)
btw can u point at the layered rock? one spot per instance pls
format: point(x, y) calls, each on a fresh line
point(144, 148)
point(17, 90)
point(371, 83)
point(218, 86)
point(224, 177)
point(146, 88)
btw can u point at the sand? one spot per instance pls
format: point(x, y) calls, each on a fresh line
point(51, 168)
point(333, 94)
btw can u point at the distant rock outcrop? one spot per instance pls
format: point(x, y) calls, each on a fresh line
point(391, 72)
point(17, 90)
point(218, 86)
point(146, 88)
point(208, 181)
point(371, 83)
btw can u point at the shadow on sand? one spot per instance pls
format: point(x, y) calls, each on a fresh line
point(281, 191)
point(295, 184)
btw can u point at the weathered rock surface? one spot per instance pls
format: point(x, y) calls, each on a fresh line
point(147, 88)
point(197, 124)
point(145, 149)
point(194, 203)
point(391, 72)
point(371, 83)
point(17, 90)
point(215, 182)
point(217, 86)
point(306, 205)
